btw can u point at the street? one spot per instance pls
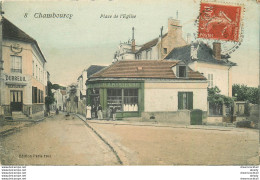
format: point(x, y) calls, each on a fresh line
point(55, 141)
point(61, 140)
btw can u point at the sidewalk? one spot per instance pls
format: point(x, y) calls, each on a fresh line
point(156, 124)
point(10, 126)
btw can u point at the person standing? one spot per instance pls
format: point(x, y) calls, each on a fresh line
point(114, 113)
point(88, 113)
point(100, 115)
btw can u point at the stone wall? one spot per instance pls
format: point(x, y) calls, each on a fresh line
point(177, 117)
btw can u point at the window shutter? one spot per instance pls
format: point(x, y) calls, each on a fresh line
point(190, 100)
point(180, 100)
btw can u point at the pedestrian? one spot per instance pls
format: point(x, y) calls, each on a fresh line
point(88, 112)
point(100, 116)
point(114, 113)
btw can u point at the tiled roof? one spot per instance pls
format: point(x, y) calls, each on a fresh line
point(10, 31)
point(204, 54)
point(94, 69)
point(159, 69)
point(150, 44)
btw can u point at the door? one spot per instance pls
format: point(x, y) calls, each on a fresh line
point(16, 99)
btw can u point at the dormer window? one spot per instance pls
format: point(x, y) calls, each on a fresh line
point(182, 71)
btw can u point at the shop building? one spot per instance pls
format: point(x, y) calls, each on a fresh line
point(24, 77)
point(165, 90)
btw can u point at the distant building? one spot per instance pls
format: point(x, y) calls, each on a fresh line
point(60, 99)
point(155, 49)
point(24, 75)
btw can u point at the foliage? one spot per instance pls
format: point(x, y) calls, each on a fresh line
point(216, 98)
point(57, 86)
point(50, 98)
point(244, 93)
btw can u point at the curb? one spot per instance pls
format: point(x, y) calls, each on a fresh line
point(154, 125)
point(112, 149)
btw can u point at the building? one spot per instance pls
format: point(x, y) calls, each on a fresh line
point(60, 99)
point(167, 90)
point(81, 81)
point(215, 66)
point(155, 49)
point(23, 76)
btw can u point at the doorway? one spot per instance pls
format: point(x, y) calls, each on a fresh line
point(16, 99)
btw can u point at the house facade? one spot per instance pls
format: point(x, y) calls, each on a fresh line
point(149, 88)
point(24, 75)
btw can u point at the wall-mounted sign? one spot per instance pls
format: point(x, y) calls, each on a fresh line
point(16, 48)
point(15, 86)
point(15, 78)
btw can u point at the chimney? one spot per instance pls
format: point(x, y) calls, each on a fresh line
point(133, 40)
point(188, 38)
point(217, 50)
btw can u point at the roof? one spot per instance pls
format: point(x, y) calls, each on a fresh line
point(204, 54)
point(10, 31)
point(93, 69)
point(159, 69)
point(150, 44)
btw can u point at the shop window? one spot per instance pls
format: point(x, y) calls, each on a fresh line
point(123, 99)
point(130, 100)
point(16, 64)
point(114, 98)
point(185, 100)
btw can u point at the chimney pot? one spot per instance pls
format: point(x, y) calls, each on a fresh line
point(217, 50)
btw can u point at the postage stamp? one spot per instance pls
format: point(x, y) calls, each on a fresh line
point(219, 21)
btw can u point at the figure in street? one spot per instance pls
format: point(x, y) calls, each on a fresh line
point(100, 115)
point(88, 112)
point(114, 113)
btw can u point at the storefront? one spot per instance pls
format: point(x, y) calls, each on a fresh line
point(125, 96)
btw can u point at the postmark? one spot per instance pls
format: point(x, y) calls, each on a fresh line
point(220, 21)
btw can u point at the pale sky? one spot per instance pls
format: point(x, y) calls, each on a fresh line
point(70, 45)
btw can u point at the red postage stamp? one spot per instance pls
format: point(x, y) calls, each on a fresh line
point(220, 22)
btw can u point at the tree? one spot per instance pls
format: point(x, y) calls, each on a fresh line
point(216, 98)
point(244, 93)
point(49, 99)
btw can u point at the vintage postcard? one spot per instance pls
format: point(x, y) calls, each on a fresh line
point(111, 82)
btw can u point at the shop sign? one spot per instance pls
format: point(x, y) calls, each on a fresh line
point(116, 85)
point(15, 78)
point(14, 86)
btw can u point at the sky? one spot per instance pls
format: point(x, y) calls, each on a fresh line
point(71, 45)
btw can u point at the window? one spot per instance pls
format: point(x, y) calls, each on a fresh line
point(185, 100)
point(210, 80)
point(123, 99)
point(146, 55)
point(165, 50)
point(114, 98)
point(16, 64)
point(33, 69)
point(36, 71)
point(182, 71)
point(130, 100)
